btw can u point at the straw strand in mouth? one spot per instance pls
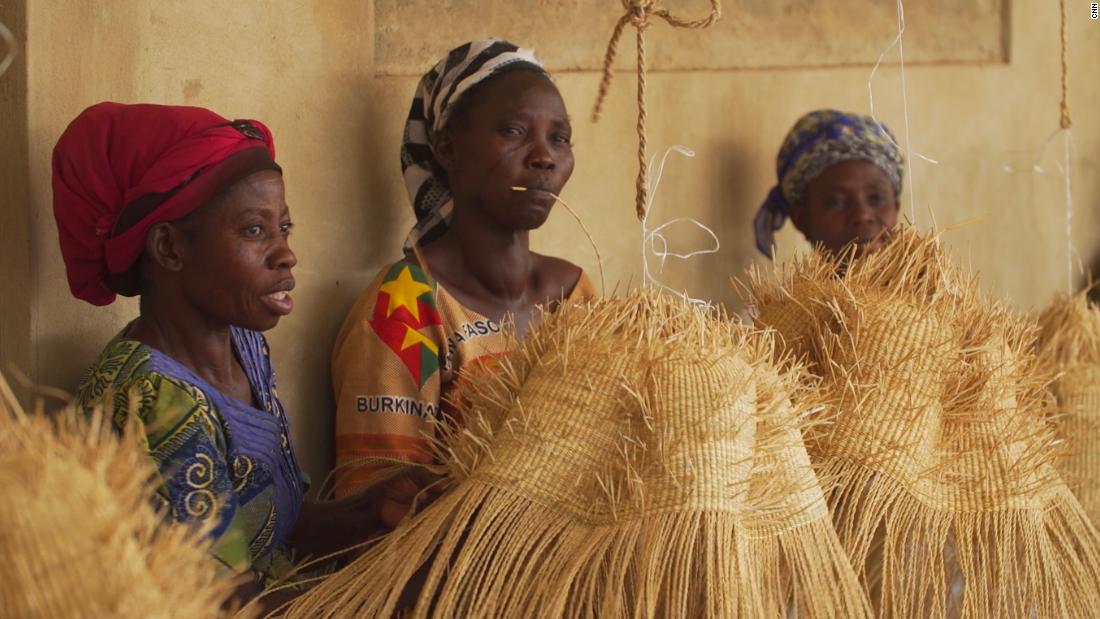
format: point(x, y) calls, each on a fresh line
point(591, 241)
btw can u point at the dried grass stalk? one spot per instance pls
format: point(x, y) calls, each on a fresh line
point(79, 533)
point(634, 457)
point(1069, 348)
point(946, 497)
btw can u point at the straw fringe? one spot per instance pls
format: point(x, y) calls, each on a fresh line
point(945, 495)
point(919, 561)
point(78, 529)
point(1069, 332)
point(631, 458)
point(1069, 348)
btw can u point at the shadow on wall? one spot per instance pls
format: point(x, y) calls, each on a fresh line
point(65, 346)
point(732, 209)
point(347, 244)
point(722, 177)
point(1092, 273)
point(381, 218)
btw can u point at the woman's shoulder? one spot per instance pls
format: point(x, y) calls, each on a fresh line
point(400, 294)
point(131, 378)
point(394, 280)
point(121, 363)
point(406, 271)
point(558, 278)
point(404, 276)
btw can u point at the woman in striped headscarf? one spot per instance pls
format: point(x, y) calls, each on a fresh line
point(487, 145)
point(839, 179)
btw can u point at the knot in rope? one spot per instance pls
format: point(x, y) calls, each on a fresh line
point(638, 14)
point(638, 11)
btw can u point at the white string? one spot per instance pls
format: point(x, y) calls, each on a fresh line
point(909, 152)
point(13, 48)
point(1037, 166)
point(656, 243)
point(1067, 144)
point(905, 113)
point(1065, 168)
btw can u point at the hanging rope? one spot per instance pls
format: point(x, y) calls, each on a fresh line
point(639, 13)
point(1065, 69)
point(1067, 140)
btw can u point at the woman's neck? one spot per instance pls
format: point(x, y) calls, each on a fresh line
point(498, 260)
point(177, 329)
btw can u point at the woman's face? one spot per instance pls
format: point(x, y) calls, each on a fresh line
point(236, 261)
point(850, 202)
point(514, 133)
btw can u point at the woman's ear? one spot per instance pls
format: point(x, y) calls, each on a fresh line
point(798, 216)
point(443, 147)
point(164, 246)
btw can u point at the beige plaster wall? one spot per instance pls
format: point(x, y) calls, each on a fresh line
point(15, 274)
point(752, 34)
point(306, 68)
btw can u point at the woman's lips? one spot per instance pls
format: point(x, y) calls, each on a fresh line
point(542, 197)
point(279, 303)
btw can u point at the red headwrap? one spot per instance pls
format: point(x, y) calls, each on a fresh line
point(118, 169)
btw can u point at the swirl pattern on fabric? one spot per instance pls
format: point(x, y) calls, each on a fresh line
point(218, 459)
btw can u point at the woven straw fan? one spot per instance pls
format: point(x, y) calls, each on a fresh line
point(1069, 348)
point(79, 534)
point(633, 457)
point(946, 496)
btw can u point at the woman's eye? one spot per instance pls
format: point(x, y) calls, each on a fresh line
point(285, 228)
point(512, 130)
point(254, 231)
point(563, 138)
point(835, 202)
point(876, 199)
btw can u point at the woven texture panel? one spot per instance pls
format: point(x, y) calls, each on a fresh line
point(634, 457)
point(940, 455)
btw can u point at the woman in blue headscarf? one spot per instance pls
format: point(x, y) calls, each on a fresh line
point(839, 181)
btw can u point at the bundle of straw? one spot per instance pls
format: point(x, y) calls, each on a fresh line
point(80, 536)
point(1069, 348)
point(634, 457)
point(946, 496)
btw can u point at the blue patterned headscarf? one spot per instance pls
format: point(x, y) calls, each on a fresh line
point(436, 95)
point(818, 140)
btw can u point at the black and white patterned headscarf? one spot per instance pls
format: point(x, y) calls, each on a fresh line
point(436, 94)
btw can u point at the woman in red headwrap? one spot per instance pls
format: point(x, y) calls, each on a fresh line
point(187, 210)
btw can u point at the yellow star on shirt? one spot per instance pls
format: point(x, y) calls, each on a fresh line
point(413, 337)
point(403, 292)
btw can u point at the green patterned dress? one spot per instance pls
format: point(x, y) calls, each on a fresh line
point(218, 459)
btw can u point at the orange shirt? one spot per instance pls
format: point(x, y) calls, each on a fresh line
point(396, 358)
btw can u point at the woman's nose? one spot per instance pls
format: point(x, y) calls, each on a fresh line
point(283, 257)
point(540, 156)
point(862, 211)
